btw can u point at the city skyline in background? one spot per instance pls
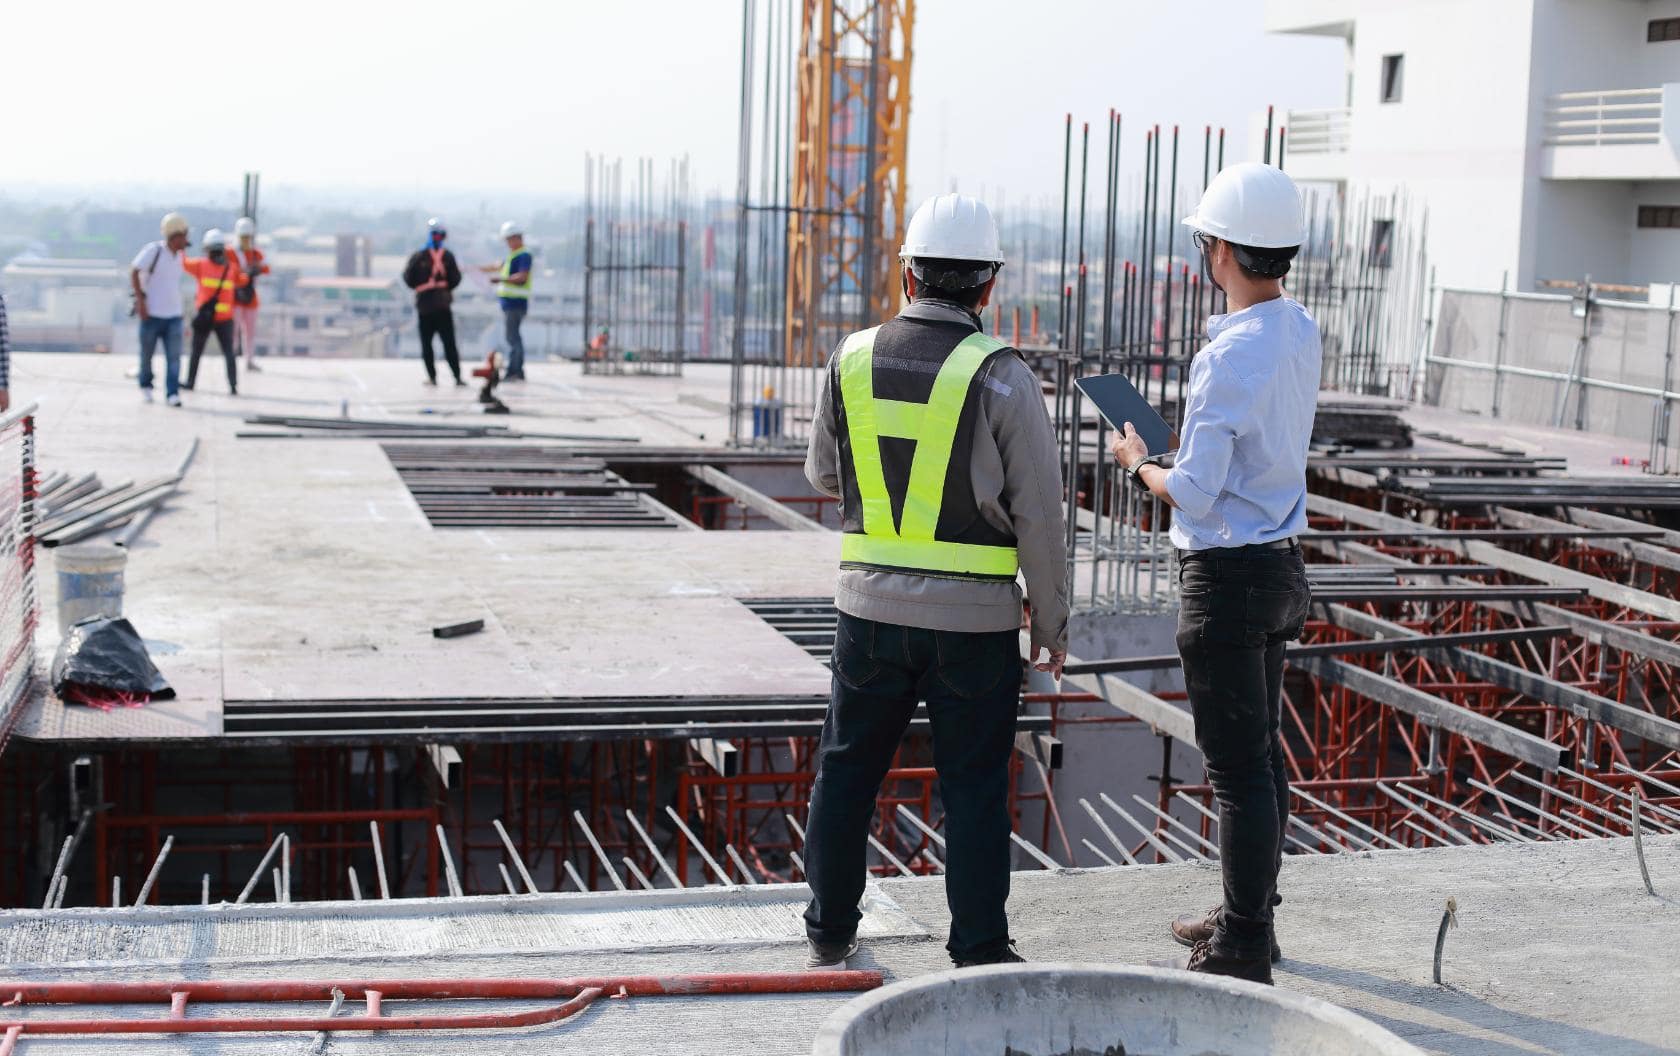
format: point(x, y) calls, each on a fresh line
point(421, 107)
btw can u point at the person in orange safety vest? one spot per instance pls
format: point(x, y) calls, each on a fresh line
point(217, 275)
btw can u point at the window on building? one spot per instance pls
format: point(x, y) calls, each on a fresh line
point(1661, 29)
point(1382, 243)
point(1667, 216)
point(300, 322)
point(1393, 76)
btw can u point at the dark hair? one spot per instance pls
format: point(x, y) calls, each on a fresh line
point(959, 281)
point(1259, 262)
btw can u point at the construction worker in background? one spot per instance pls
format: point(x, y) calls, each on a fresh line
point(514, 276)
point(1238, 489)
point(218, 276)
point(245, 300)
point(155, 279)
point(935, 438)
point(432, 274)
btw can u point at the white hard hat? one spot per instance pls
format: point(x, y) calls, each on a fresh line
point(512, 228)
point(173, 224)
point(244, 226)
point(952, 227)
point(215, 238)
point(436, 224)
point(1252, 205)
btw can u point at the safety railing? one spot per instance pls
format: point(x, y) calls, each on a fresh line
point(1602, 118)
point(18, 608)
point(1319, 131)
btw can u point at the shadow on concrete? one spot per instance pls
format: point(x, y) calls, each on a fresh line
point(1548, 1035)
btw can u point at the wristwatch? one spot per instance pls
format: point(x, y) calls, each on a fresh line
point(1132, 471)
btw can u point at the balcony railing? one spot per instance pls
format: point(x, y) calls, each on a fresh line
point(1594, 119)
point(1317, 131)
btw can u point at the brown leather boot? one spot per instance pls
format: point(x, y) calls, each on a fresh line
point(1191, 928)
point(1204, 959)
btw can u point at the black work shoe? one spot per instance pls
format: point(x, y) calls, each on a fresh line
point(1005, 954)
point(1191, 928)
point(827, 956)
point(1203, 959)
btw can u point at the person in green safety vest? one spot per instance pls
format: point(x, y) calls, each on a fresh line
point(513, 277)
point(936, 441)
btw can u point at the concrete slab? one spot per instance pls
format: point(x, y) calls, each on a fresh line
point(1560, 950)
point(303, 569)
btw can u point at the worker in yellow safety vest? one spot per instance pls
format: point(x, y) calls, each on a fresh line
point(513, 280)
point(936, 441)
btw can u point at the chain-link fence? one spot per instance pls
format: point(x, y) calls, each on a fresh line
point(1574, 362)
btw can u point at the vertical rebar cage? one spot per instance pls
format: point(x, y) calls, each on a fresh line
point(635, 269)
point(820, 197)
point(18, 606)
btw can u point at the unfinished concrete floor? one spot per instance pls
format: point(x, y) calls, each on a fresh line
point(298, 569)
point(1560, 950)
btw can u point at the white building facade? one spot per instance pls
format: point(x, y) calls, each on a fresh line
point(1542, 136)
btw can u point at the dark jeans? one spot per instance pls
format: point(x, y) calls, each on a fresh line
point(511, 318)
point(442, 324)
point(223, 329)
point(972, 686)
point(167, 331)
point(1240, 608)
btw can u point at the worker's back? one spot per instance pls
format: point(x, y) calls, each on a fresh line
point(998, 499)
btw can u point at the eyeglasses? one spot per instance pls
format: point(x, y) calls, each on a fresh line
point(1203, 240)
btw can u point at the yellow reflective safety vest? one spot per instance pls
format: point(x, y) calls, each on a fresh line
point(937, 530)
point(508, 289)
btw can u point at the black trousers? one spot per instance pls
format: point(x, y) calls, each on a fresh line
point(441, 323)
point(1240, 608)
point(223, 329)
point(972, 686)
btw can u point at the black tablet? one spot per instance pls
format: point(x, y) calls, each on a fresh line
point(1119, 401)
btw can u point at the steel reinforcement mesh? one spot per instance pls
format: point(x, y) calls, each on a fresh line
point(19, 613)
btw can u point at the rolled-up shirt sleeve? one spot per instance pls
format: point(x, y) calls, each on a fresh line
point(1213, 419)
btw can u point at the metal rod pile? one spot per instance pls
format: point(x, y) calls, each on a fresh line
point(71, 509)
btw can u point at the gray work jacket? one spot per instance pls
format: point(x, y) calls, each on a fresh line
point(1017, 480)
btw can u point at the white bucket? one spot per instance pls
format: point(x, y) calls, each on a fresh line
point(90, 582)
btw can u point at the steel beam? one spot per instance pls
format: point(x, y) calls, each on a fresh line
point(1557, 576)
point(1436, 712)
point(1578, 702)
point(1626, 541)
point(753, 499)
point(1387, 644)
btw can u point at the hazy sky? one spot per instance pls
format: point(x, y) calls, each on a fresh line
point(417, 97)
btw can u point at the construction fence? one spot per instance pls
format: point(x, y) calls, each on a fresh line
point(18, 610)
point(1565, 361)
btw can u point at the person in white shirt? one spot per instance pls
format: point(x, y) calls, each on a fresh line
point(156, 280)
point(1238, 490)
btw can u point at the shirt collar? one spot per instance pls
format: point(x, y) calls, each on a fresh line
point(1217, 324)
point(932, 311)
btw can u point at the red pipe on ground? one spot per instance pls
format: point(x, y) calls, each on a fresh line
point(581, 991)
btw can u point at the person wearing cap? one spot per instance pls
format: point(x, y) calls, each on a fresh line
point(432, 274)
point(218, 275)
point(1238, 490)
point(513, 277)
point(936, 440)
point(155, 279)
point(245, 299)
